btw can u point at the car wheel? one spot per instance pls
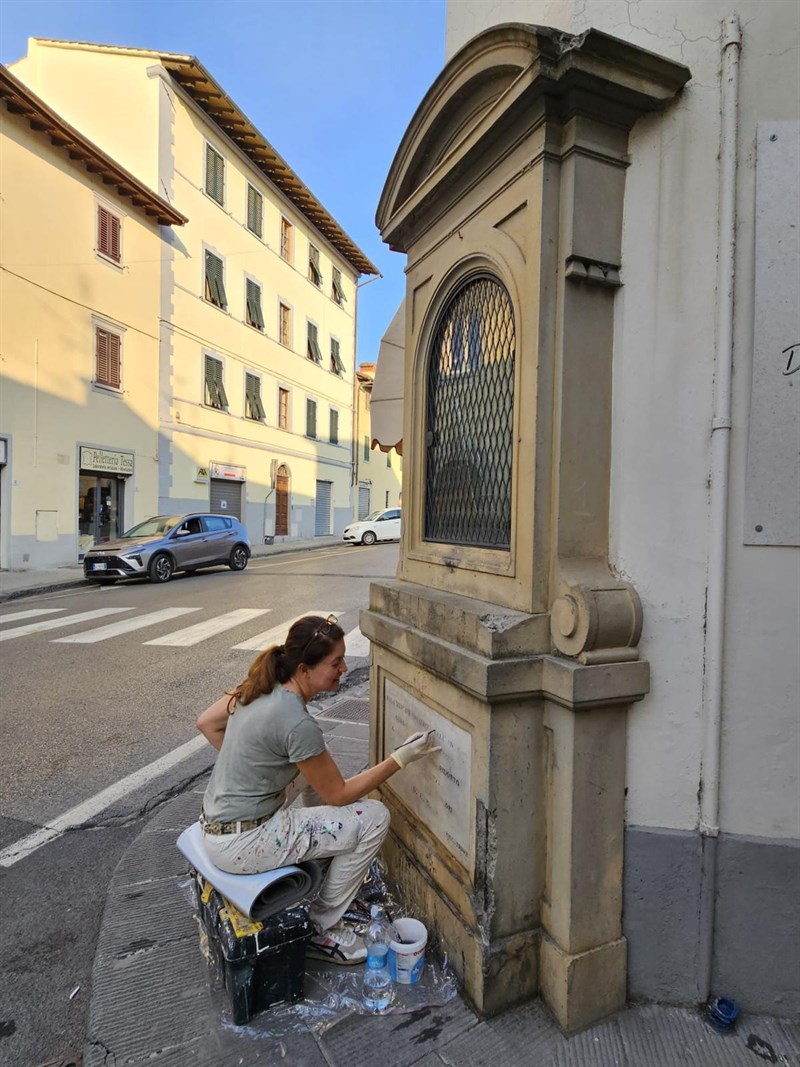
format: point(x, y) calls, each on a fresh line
point(238, 558)
point(368, 538)
point(161, 568)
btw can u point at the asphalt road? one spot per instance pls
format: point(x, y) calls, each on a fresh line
point(77, 717)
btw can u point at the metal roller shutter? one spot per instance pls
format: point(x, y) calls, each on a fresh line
point(322, 514)
point(226, 498)
point(363, 501)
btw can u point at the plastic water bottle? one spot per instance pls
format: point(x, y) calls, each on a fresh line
point(376, 989)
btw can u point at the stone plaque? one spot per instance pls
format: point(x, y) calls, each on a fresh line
point(436, 788)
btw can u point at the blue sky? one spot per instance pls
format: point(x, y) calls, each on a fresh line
point(332, 84)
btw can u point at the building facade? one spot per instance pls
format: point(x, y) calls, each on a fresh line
point(378, 474)
point(78, 335)
point(257, 299)
point(686, 284)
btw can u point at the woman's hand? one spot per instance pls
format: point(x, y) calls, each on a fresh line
point(214, 720)
point(413, 748)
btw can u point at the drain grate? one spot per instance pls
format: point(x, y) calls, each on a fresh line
point(352, 710)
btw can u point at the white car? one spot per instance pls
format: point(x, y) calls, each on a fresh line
point(379, 526)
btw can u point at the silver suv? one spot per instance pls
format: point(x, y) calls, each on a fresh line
point(158, 547)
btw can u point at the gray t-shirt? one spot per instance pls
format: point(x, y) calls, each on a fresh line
point(263, 743)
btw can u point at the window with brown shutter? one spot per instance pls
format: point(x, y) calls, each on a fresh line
point(283, 409)
point(286, 240)
point(285, 325)
point(109, 228)
point(107, 346)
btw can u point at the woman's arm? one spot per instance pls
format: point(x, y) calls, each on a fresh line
point(324, 776)
point(214, 720)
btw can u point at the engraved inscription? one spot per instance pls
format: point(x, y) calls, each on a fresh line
point(436, 788)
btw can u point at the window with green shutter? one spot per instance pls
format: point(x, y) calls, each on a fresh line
point(215, 175)
point(388, 459)
point(366, 448)
point(313, 344)
point(311, 418)
point(336, 360)
point(254, 409)
point(338, 291)
point(215, 287)
point(255, 211)
point(314, 271)
point(254, 312)
point(215, 390)
point(334, 434)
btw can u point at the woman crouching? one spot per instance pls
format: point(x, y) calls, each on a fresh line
point(266, 737)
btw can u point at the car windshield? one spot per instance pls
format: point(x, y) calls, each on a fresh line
point(372, 517)
point(159, 524)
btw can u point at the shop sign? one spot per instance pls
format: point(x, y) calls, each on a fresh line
point(99, 459)
point(201, 475)
point(229, 473)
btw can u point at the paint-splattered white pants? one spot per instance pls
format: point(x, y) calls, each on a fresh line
point(351, 835)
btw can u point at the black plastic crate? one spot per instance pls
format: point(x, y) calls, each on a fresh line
point(258, 963)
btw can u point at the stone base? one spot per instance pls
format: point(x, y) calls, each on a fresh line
point(583, 988)
point(495, 976)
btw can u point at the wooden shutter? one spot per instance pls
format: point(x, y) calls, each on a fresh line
point(108, 234)
point(252, 388)
point(313, 345)
point(215, 389)
point(215, 175)
point(336, 361)
point(255, 316)
point(314, 272)
point(334, 434)
point(215, 287)
point(338, 291)
point(107, 358)
point(255, 206)
point(283, 409)
point(311, 418)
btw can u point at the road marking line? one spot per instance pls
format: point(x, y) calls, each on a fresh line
point(81, 813)
point(288, 562)
point(124, 626)
point(277, 633)
point(31, 613)
point(355, 644)
point(192, 635)
point(52, 624)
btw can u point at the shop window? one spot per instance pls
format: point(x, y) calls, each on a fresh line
point(338, 291)
point(215, 284)
point(215, 175)
point(215, 395)
point(285, 325)
point(334, 434)
point(255, 315)
point(255, 211)
point(109, 233)
point(470, 418)
point(314, 271)
point(336, 360)
point(313, 344)
point(283, 409)
point(253, 408)
point(286, 240)
point(311, 418)
point(107, 351)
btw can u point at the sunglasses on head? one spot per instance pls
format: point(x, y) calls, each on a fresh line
point(322, 631)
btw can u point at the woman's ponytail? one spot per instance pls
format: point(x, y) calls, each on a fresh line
point(266, 670)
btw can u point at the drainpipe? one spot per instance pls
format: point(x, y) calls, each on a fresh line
point(718, 532)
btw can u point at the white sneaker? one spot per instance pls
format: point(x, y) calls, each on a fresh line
point(339, 945)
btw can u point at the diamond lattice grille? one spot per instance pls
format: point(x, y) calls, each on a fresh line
point(470, 417)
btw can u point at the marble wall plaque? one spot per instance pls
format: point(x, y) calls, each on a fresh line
point(436, 788)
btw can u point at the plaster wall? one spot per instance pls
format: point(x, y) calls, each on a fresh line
point(54, 288)
point(381, 472)
point(664, 360)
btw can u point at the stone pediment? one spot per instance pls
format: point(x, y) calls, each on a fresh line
point(513, 75)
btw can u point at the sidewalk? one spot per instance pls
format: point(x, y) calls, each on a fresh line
point(151, 1004)
point(17, 584)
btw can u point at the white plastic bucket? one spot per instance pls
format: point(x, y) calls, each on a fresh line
point(407, 959)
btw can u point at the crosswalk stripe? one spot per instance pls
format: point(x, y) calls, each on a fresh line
point(355, 644)
point(277, 634)
point(124, 626)
point(192, 635)
point(31, 613)
point(52, 624)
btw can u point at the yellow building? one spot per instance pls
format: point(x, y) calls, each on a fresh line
point(378, 474)
point(78, 337)
point(256, 318)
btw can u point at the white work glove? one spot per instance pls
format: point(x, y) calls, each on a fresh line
point(414, 748)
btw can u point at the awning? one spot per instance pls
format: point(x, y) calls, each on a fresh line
point(386, 406)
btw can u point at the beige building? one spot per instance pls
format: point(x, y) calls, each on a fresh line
point(79, 235)
point(256, 300)
point(378, 473)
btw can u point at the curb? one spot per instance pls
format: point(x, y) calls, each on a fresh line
point(81, 583)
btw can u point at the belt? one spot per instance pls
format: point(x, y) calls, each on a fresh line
point(237, 827)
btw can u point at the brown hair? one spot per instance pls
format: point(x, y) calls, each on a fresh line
point(309, 641)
